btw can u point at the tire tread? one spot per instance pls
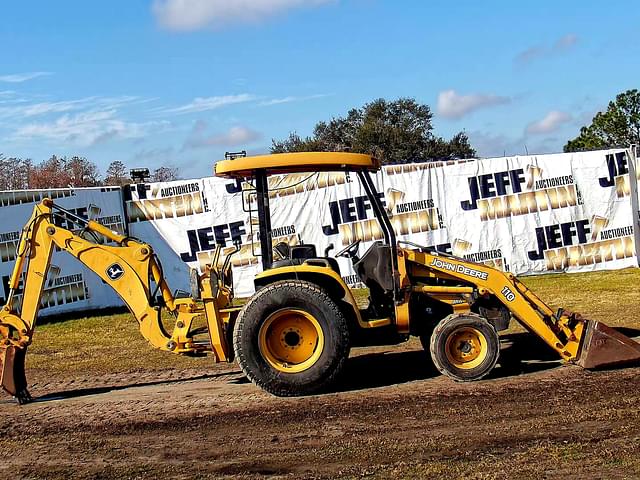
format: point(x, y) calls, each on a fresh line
point(338, 322)
point(444, 323)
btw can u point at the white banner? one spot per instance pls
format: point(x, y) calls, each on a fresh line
point(532, 214)
point(526, 214)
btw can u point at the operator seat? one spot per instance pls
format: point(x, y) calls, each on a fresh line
point(375, 271)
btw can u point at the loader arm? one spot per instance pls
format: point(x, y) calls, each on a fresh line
point(588, 343)
point(129, 266)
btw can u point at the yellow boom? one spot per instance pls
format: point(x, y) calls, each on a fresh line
point(587, 343)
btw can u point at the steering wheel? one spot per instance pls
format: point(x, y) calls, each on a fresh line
point(350, 250)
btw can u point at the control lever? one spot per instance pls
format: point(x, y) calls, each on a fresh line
point(328, 249)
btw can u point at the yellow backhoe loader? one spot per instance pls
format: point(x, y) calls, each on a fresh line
point(293, 336)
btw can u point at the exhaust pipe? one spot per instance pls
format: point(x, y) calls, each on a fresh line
point(12, 373)
point(602, 346)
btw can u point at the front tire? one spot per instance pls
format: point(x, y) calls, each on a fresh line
point(291, 339)
point(465, 347)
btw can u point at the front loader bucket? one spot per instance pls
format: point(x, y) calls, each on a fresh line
point(602, 346)
point(12, 373)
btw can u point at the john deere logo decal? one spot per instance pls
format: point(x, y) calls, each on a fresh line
point(115, 271)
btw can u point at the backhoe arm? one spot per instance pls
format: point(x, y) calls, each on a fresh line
point(129, 266)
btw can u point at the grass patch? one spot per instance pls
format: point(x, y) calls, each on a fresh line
point(111, 343)
point(100, 344)
point(612, 297)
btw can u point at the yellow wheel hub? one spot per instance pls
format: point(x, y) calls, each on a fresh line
point(291, 340)
point(466, 348)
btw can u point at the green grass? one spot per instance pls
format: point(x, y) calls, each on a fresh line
point(105, 344)
point(612, 297)
point(99, 344)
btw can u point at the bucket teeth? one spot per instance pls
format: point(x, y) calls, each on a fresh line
point(603, 346)
point(12, 373)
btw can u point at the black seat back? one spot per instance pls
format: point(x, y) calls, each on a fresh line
point(374, 268)
point(303, 251)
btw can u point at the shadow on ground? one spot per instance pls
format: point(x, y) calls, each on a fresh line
point(520, 353)
point(83, 392)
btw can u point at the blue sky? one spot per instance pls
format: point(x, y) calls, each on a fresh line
point(179, 82)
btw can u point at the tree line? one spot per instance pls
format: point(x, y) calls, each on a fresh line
point(60, 172)
point(398, 131)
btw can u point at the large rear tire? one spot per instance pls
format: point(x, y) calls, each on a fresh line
point(465, 347)
point(291, 339)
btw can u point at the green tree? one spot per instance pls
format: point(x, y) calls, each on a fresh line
point(82, 172)
point(397, 131)
point(165, 174)
point(50, 173)
point(618, 126)
point(61, 172)
point(116, 174)
point(458, 147)
point(295, 143)
point(14, 173)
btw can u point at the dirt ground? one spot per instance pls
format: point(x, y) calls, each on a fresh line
point(392, 417)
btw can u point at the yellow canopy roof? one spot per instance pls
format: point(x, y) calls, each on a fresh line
point(295, 162)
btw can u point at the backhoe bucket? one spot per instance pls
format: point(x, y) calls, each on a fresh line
point(12, 373)
point(602, 346)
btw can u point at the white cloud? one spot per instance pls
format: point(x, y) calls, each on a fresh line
point(277, 101)
point(454, 106)
point(22, 77)
point(562, 44)
point(566, 41)
point(84, 129)
point(237, 135)
point(290, 99)
point(530, 54)
point(41, 108)
point(492, 144)
point(9, 97)
point(550, 123)
point(189, 15)
point(27, 110)
point(160, 156)
point(203, 104)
